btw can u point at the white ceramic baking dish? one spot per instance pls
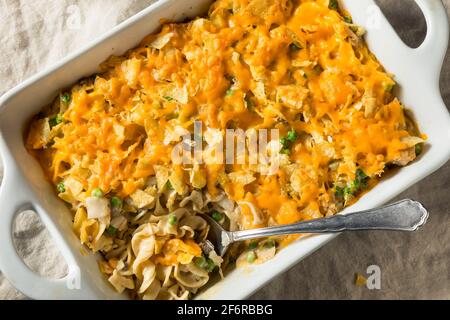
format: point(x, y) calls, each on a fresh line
point(24, 186)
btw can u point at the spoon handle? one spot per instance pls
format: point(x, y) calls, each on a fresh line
point(406, 215)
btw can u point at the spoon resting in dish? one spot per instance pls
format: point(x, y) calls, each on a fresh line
point(406, 215)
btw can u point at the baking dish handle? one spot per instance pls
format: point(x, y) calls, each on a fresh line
point(13, 199)
point(431, 53)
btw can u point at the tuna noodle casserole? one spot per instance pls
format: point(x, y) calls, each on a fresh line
point(300, 67)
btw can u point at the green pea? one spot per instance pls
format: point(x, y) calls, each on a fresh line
point(217, 216)
point(111, 231)
point(292, 136)
point(97, 192)
point(418, 149)
point(211, 266)
point(284, 142)
point(201, 262)
point(55, 120)
point(173, 219)
point(251, 257)
point(204, 263)
point(253, 245)
point(66, 97)
point(61, 187)
point(116, 202)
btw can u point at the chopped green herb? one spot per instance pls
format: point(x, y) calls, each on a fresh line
point(292, 136)
point(111, 231)
point(168, 98)
point(66, 97)
point(418, 149)
point(61, 187)
point(339, 192)
point(55, 120)
point(52, 122)
point(217, 216)
point(173, 219)
point(361, 180)
point(287, 141)
point(169, 185)
point(353, 188)
point(229, 92)
point(252, 245)
point(360, 174)
point(97, 192)
point(347, 192)
point(251, 257)
point(59, 118)
point(333, 5)
point(116, 202)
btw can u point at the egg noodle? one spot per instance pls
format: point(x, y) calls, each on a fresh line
point(298, 67)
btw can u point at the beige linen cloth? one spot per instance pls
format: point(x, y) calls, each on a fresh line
point(36, 33)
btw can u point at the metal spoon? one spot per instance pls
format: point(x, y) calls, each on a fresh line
point(406, 215)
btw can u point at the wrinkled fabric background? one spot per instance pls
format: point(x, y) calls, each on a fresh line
point(34, 34)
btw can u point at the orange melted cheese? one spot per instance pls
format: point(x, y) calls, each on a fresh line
point(316, 76)
point(175, 250)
